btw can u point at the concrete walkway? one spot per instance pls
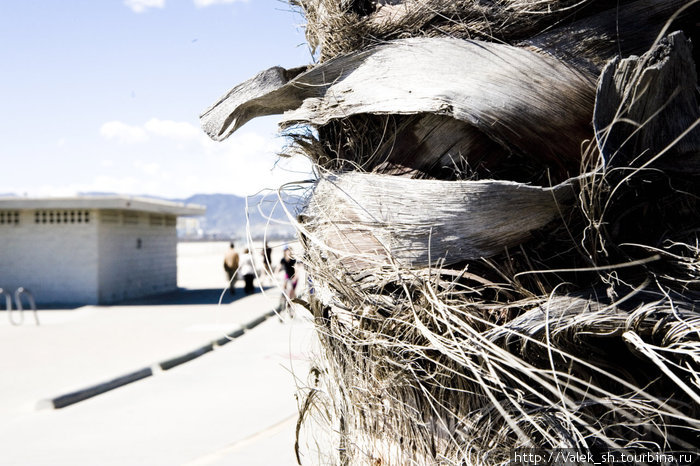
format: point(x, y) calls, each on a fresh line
point(234, 405)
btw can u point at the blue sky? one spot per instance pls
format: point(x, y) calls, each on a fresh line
point(104, 95)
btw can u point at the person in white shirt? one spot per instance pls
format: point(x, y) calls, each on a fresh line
point(247, 269)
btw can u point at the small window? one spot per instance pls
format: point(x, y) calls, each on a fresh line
point(9, 217)
point(61, 216)
point(110, 216)
point(156, 220)
point(131, 218)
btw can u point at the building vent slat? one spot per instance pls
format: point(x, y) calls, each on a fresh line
point(9, 217)
point(63, 216)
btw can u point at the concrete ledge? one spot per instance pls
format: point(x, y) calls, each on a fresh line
point(229, 337)
point(176, 361)
point(259, 320)
point(80, 395)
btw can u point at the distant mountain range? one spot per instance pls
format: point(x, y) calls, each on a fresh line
point(225, 218)
point(226, 215)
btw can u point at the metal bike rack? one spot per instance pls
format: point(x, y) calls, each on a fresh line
point(32, 304)
point(8, 305)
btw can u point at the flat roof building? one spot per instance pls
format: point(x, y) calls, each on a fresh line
point(89, 249)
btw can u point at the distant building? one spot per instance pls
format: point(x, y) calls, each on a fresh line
point(89, 250)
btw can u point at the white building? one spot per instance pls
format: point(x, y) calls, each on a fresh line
point(89, 250)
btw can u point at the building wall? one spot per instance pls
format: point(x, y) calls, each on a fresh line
point(138, 254)
point(53, 253)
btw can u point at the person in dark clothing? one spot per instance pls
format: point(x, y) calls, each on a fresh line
point(288, 263)
point(267, 262)
point(290, 276)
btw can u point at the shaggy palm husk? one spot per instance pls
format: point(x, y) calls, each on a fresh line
point(490, 271)
point(584, 336)
point(579, 30)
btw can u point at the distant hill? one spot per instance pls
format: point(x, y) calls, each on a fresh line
point(226, 215)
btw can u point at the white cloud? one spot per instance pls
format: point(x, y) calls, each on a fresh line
point(174, 130)
point(176, 159)
point(205, 3)
point(252, 163)
point(150, 168)
point(178, 130)
point(139, 6)
point(116, 130)
point(100, 183)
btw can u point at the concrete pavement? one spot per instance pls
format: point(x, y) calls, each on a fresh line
point(71, 350)
point(233, 405)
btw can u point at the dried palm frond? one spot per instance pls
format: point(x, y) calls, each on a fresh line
point(503, 253)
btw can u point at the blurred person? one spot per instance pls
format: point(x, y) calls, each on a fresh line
point(231, 267)
point(248, 271)
point(267, 260)
point(288, 263)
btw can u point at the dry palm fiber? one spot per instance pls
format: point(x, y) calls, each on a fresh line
point(579, 28)
point(582, 332)
point(583, 35)
point(426, 76)
point(523, 102)
point(379, 220)
point(633, 90)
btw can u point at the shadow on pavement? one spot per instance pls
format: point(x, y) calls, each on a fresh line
point(186, 296)
point(47, 306)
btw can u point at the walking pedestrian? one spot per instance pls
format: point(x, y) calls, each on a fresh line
point(231, 267)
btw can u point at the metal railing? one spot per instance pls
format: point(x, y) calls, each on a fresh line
point(19, 312)
point(8, 304)
point(19, 292)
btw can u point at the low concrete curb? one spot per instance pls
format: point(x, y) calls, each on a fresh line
point(79, 395)
point(176, 361)
point(230, 337)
